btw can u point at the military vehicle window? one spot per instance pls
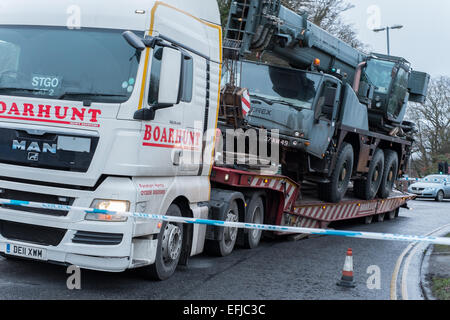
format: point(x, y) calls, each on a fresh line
point(379, 74)
point(155, 74)
point(327, 100)
point(280, 85)
point(399, 91)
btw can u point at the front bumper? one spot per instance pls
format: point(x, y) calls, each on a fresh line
point(424, 194)
point(72, 240)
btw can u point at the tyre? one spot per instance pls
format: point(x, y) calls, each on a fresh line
point(380, 217)
point(368, 220)
point(392, 215)
point(170, 243)
point(389, 174)
point(440, 196)
point(225, 247)
point(368, 189)
point(256, 216)
point(340, 178)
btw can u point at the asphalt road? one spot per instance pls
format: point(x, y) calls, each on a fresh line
point(278, 269)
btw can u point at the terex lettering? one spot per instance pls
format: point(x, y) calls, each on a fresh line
point(45, 113)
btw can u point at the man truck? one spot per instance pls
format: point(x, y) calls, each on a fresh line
point(102, 104)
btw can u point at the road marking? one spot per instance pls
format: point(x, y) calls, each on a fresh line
point(399, 263)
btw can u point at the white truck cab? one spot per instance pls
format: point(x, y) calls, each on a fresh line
point(91, 117)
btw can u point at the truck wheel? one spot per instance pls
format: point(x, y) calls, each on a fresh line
point(170, 243)
point(440, 196)
point(389, 174)
point(368, 189)
point(225, 247)
point(340, 178)
point(256, 211)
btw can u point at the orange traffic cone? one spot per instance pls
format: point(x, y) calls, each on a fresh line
point(347, 274)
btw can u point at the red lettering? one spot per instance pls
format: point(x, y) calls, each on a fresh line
point(78, 113)
point(178, 137)
point(14, 110)
point(157, 134)
point(192, 138)
point(58, 114)
point(148, 133)
point(185, 138)
point(44, 109)
point(2, 107)
point(171, 135)
point(164, 136)
point(94, 113)
point(28, 110)
point(198, 136)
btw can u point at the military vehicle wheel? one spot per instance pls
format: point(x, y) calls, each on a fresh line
point(368, 189)
point(389, 175)
point(340, 178)
point(170, 243)
point(225, 247)
point(440, 196)
point(256, 211)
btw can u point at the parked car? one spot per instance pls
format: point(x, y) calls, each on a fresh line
point(433, 187)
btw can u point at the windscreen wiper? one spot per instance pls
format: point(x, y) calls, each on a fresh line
point(22, 89)
point(88, 94)
point(266, 100)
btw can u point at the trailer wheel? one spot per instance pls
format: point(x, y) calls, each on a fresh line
point(368, 189)
point(340, 178)
point(392, 215)
point(256, 216)
point(389, 174)
point(225, 247)
point(368, 220)
point(380, 217)
point(170, 242)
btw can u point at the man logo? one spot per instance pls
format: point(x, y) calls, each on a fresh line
point(33, 156)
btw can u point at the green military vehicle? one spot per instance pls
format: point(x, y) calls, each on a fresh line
point(340, 113)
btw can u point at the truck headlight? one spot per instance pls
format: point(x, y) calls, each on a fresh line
point(108, 205)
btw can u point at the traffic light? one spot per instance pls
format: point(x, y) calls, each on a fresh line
point(441, 167)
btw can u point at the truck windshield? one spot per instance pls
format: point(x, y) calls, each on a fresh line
point(379, 73)
point(282, 85)
point(59, 63)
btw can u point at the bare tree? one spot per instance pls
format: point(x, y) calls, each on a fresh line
point(433, 123)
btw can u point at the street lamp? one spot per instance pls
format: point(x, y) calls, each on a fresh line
point(397, 26)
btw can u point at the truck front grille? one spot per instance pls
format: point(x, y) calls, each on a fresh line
point(36, 197)
point(45, 236)
point(95, 238)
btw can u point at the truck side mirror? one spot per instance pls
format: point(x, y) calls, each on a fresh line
point(170, 78)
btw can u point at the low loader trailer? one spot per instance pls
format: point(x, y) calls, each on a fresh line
point(106, 113)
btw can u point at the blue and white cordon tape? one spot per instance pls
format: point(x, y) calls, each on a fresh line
point(426, 180)
point(240, 225)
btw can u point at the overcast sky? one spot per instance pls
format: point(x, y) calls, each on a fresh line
point(425, 38)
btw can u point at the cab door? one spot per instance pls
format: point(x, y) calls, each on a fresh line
point(325, 116)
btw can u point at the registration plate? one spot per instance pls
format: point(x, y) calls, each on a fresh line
point(26, 252)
